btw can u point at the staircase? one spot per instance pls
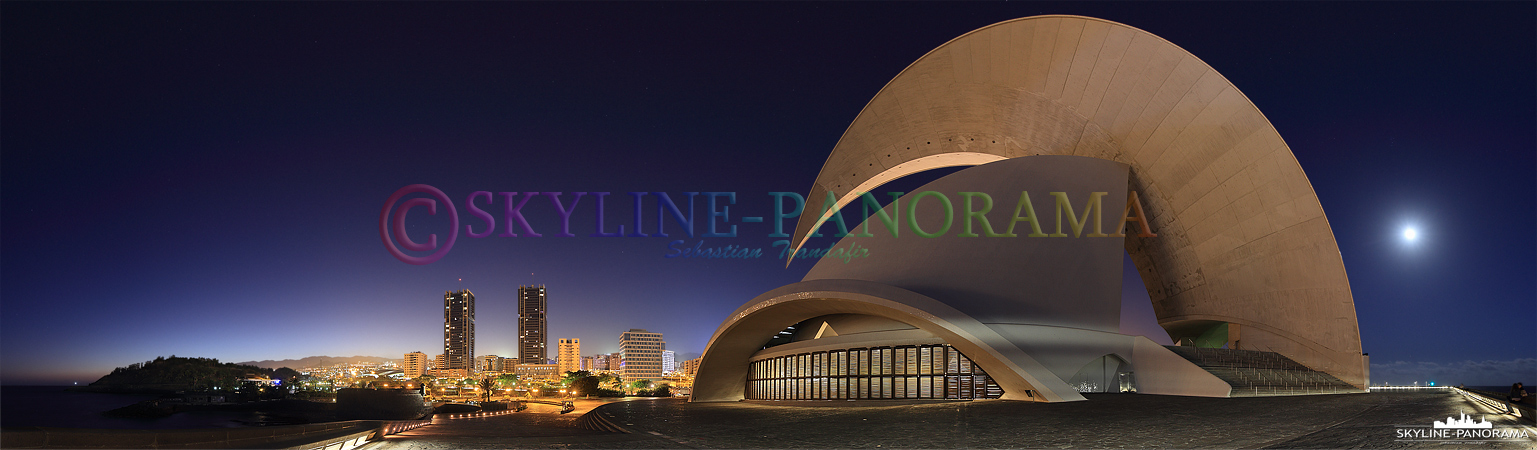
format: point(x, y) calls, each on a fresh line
point(1262, 374)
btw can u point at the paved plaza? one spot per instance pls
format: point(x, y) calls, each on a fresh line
point(1105, 421)
point(539, 426)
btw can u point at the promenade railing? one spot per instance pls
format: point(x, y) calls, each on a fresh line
point(1498, 401)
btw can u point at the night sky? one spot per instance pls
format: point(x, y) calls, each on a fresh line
point(206, 179)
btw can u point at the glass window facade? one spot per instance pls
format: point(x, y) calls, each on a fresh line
point(925, 371)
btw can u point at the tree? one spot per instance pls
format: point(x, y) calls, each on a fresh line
point(485, 388)
point(507, 379)
point(574, 375)
point(428, 383)
point(641, 384)
point(662, 391)
point(609, 381)
point(584, 386)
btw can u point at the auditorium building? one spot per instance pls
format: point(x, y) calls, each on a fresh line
point(1082, 141)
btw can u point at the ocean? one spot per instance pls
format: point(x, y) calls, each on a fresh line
point(1506, 388)
point(52, 406)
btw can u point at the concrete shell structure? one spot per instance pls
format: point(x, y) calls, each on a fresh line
point(1242, 239)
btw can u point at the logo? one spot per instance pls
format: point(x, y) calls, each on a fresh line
point(398, 224)
point(699, 215)
point(1460, 430)
point(1465, 422)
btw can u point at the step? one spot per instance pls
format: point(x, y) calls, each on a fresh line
point(1253, 373)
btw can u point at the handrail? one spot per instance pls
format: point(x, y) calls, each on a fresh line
point(1497, 401)
point(401, 426)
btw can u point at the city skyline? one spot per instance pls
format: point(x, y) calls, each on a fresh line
point(456, 317)
point(529, 297)
point(163, 166)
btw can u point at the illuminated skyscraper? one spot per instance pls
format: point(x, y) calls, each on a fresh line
point(669, 364)
point(459, 330)
point(531, 326)
point(641, 351)
point(570, 356)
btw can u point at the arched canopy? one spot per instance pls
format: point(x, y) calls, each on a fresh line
point(1241, 235)
point(722, 374)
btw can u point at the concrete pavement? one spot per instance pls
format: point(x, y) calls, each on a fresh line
point(1105, 421)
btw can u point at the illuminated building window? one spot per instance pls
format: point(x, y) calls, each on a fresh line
point(908, 372)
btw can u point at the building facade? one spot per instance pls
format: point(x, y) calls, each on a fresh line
point(640, 354)
point(459, 329)
point(449, 373)
point(1196, 187)
point(669, 361)
point(489, 363)
point(569, 358)
point(613, 361)
point(536, 372)
point(898, 372)
point(691, 367)
point(414, 364)
point(531, 325)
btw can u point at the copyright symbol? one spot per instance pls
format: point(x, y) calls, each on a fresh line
point(398, 224)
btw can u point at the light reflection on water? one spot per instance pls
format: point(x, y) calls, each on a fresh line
point(52, 406)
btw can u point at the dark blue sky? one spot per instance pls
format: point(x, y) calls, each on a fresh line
point(206, 179)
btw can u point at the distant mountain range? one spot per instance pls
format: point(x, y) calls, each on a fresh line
point(315, 361)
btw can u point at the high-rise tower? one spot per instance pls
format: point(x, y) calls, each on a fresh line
point(641, 353)
point(531, 326)
point(414, 364)
point(459, 330)
point(570, 357)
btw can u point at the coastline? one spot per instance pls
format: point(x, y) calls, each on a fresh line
point(63, 407)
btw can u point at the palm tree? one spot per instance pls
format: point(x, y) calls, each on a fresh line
point(485, 387)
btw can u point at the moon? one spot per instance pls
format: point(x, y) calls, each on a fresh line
point(1410, 234)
